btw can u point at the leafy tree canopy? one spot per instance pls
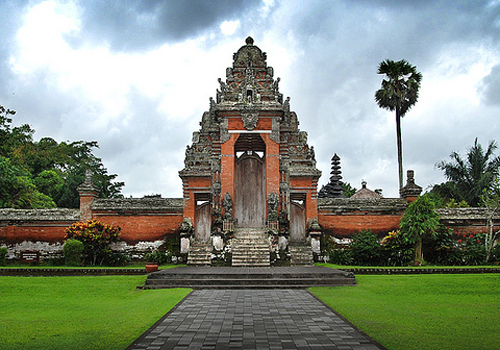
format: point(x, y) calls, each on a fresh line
point(46, 173)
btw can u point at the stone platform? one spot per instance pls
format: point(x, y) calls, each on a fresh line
point(248, 277)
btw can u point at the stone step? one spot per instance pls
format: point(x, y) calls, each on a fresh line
point(263, 283)
point(200, 254)
point(301, 255)
point(250, 247)
point(248, 277)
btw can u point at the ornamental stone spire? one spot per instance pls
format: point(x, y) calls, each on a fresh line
point(334, 188)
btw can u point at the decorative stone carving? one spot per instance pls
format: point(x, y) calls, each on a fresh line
point(216, 188)
point(272, 207)
point(275, 132)
point(250, 119)
point(227, 204)
point(224, 131)
point(186, 228)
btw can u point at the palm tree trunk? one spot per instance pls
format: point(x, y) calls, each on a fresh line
point(400, 148)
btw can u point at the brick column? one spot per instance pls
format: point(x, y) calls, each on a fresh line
point(87, 191)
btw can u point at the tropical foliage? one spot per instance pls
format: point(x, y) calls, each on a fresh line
point(45, 173)
point(469, 177)
point(398, 92)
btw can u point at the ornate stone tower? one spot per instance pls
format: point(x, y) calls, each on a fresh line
point(249, 163)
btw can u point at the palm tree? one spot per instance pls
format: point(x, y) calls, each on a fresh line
point(399, 92)
point(473, 175)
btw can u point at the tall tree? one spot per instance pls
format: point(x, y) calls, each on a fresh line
point(399, 92)
point(419, 220)
point(474, 174)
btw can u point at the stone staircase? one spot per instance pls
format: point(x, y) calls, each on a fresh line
point(200, 254)
point(250, 247)
point(248, 277)
point(300, 254)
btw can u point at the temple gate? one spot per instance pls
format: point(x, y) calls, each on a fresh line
point(248, 151)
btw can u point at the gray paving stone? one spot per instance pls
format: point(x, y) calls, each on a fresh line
point(253, 319)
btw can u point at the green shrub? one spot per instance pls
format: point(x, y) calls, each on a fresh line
point(365, 248)
point(72, 251)
point(495, 254)
point(340, 256)
point(3, 256)
point(394, 251)
point(158, 257)
point(442, 248)
point(116, 259)
point(474, 252)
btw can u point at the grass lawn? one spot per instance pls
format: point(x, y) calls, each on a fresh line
point(334, 266)
point(423, 311)
point(102, 312)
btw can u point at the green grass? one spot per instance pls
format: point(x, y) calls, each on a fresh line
point(79, 312)
point(423, 311)
point(335, 266)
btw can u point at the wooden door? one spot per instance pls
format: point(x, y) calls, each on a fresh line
point(297, 222)
point(203, 222)
point(250, 195)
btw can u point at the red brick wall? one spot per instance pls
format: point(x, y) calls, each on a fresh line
point(346, 225)
point(135, 228)
point(51, 232)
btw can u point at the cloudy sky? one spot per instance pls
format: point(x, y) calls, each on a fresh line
point(136, 76)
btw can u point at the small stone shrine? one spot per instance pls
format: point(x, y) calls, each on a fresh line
point(249, 170)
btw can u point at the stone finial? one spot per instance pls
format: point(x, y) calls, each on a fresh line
point(411, 191)
point(249, 40)
point(88, 187)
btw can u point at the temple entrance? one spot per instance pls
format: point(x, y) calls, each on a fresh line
point(203, 219)
point(250, 193)
point(297, 218)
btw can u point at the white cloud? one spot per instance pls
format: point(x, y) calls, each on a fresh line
point(229, 27)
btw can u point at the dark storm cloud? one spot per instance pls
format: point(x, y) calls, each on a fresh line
point(135, 25)
point(490, 87)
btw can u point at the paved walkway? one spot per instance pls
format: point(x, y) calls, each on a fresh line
point(252, 319)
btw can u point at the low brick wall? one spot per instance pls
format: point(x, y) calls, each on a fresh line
point(342, 217)
point(141, 219)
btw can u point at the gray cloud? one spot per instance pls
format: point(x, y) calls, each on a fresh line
point(137, 25)
point(335, 47)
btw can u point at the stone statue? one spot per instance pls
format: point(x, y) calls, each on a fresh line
point(227, 203)
point(223, 86)
point(272, 207)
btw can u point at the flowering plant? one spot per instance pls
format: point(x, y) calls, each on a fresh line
point(96, 238)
